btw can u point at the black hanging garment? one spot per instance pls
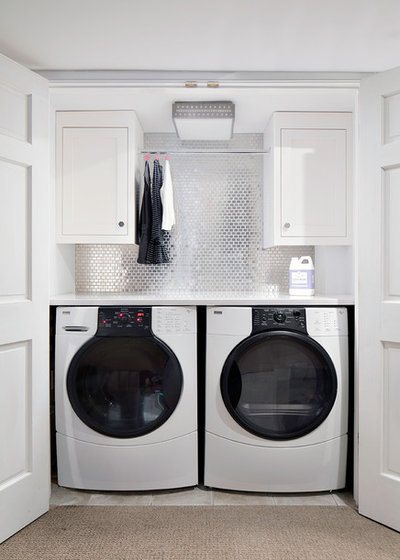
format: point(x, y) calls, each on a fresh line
point(156, 253)
point(145, 216)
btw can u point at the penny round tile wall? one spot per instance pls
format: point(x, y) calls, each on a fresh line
point(215, 247)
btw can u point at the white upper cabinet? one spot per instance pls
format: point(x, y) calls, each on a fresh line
point(308, 179)
point(96, 175)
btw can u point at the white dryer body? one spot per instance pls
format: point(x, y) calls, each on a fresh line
point(239, 453)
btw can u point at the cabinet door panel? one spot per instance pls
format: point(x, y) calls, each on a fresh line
point(96, 167)
point(95, 178)
point(313, 182)
point(308, 179)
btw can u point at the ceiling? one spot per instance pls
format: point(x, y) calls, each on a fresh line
point(211, 35)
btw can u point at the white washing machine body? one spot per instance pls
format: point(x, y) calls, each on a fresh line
point(276, 398)
point(126, 397)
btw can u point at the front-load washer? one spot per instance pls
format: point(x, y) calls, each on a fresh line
point(126, 397)
point(276, 398)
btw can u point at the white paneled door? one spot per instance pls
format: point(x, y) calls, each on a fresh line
point(24, 371)
point(379, 298)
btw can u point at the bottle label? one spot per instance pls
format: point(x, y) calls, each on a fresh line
point(301, 279)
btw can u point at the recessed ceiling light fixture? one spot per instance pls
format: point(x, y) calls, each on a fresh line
point(203, 120)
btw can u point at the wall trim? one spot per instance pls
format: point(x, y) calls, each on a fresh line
point(178, 78)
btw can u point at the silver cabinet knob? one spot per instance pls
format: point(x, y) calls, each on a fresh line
point(286, 225)
point(121, 224)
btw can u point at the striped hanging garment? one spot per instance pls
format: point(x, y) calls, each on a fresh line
point(156, 253)
point(145, 216)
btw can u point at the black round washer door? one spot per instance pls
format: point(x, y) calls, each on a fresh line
point(124, 387)
point(279, 385)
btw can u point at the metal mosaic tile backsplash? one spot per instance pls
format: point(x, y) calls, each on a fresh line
point(215, 247)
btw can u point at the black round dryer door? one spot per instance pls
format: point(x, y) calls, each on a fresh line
point(124, 387)
point(279, 385)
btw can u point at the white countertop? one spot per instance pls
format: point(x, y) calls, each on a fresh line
point(215, 299)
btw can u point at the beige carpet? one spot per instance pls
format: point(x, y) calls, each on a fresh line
point(203, 533)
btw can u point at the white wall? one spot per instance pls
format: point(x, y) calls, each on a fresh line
point(334, 270)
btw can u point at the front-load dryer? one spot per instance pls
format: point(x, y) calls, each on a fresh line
point(276, 398)
point(126, 397)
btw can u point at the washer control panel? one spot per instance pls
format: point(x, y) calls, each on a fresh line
point(327, 321)
point(124, 321)
point(173, 320)
point(275, 318)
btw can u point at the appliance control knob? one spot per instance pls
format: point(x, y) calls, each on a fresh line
point(279, 317)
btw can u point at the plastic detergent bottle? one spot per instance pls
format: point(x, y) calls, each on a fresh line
point(301, 277)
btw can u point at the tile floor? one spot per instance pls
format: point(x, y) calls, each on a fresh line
point(197, 496)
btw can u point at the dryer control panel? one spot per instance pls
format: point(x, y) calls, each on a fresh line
point(275, 318)
point(124, 321)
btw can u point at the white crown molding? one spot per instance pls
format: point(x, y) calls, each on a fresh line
point(138, 78)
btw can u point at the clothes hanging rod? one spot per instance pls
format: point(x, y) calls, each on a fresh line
point(221, 152)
